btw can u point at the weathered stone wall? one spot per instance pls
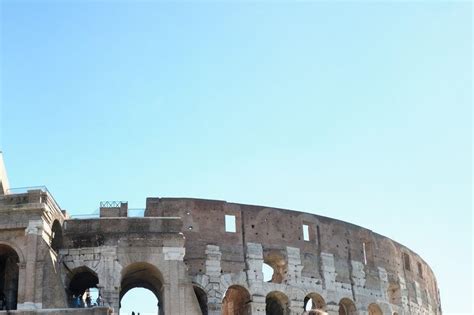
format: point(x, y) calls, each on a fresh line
point(339, 260)
point(182, 251)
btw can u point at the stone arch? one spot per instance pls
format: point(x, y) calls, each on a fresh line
point(347, 307)
point(142, 275)
point(374, 309)
point(9, 276)
point(278, 263)
point(80, 280)
point(314, 301)
point(201, 297)
point(236, 301)
point(277, 303)
point(17, 250)
point(56, 236)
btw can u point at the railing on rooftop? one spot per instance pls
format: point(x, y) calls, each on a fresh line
point(50, 201)
point(111, 204)
point(136, 212)
point(131, 213)
point(24, 190)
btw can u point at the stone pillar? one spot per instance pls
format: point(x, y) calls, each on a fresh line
point(358, 277)
point(332, 309)
point(296, 307)
point(257, 306)
point(404, 295)
point(213, 271)
point(35, 228)
point(173, 255)
point(254, 260)
point(294, 265)
point(214, 308)
point(328, 271)
point(109, 271)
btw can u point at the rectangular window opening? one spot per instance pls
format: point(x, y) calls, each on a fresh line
point(305, 232)
point(420, 270)
point(406, 261)
point(230, 223)
point(365, 253)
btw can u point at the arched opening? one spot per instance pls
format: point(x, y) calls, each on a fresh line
point(314, 301)
point(139, 301)
point(202, 299)
point(82, 289)
point(347, 307)
point(9, 272)
point(276, 261)
point(143, 276)
point(56, 236)
point(277, 303)
point(236, 301)
point(374, 309)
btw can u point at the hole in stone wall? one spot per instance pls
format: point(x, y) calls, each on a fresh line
point(267, 271)
point(305, 232)
point(278, 264)
point(365, 253)
point(230, 225)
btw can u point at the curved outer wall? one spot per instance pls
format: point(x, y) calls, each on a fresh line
point(340, 260)
point(183, 252)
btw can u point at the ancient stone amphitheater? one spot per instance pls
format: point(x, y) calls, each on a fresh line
point(202, 257)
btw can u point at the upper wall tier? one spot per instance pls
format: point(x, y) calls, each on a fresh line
point(204, 223)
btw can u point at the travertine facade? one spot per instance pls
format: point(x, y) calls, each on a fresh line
point(198, 261)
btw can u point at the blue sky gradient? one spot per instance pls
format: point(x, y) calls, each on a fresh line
point(359, 111)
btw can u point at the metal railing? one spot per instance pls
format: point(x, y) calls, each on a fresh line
point(50, 201)
point(111, 204)
point(136, 213)
point(131, 213)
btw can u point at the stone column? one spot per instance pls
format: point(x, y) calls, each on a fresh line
point(294, 265)
point(35, 228)
point(254, 260)
point(257, 306)
point(213, 271)
point(296, 307)
point(332, 309)
point(329, 271)
point(173, 255)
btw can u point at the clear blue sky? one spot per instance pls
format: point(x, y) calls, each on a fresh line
point(358, 111)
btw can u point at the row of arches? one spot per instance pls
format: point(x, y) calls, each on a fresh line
point(237, 300)
point(83, 282)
